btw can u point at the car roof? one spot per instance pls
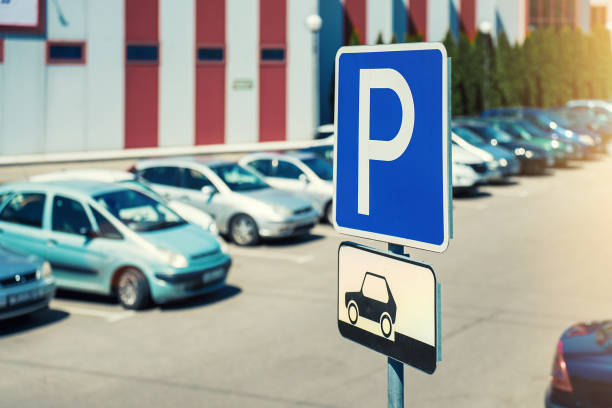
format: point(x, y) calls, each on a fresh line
point(73, 187)
point(184, 160)
point(106, 175)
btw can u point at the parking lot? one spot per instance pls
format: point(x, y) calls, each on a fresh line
point(529, 258)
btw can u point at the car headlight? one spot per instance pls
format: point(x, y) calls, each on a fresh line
point(45, 270)
point(492, 165)
point(528, 154)
point(282, 210)
point(173, 259)
point(587, 140)
point(555, 144)
point(212, 227)
point(519, 151)
point(503, 162)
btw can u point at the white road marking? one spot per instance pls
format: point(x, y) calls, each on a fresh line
point(300, 259)
point(109, 316)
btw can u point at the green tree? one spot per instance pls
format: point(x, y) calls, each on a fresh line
point(379, 39)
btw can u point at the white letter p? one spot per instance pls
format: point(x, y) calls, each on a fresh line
point(385, 150)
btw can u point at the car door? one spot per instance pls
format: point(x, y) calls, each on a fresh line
point(165, 181)
point(22, 220)
point(76, 262)
point(199, 191)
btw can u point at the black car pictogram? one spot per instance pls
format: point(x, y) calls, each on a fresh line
point(373, 302)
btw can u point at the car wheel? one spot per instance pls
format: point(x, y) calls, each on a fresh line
point(329, 213)
point(353, 312)
point(133, 289)
point(244, 231)
point(385, 325)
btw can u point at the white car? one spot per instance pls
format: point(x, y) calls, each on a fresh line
point(469, 170)
point(302, 173)
point(188, 212)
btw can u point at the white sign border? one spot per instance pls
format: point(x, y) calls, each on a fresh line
point(446, 187)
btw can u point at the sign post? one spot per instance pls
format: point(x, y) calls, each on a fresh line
point(392, 177)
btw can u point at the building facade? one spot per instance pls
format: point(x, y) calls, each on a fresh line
point(91, 75)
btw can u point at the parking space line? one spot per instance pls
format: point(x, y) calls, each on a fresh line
point(110, 317)
point(300, 259)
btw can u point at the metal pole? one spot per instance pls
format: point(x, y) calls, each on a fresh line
point(395, 369)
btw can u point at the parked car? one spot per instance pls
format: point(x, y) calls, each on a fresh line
point(325, 131)
point(302, 173)
point(514, 128)
point(325, 152)
point(533, 159)
point(243, 205)
point(110, 238)
point(374, 302)
point(548, 122)
point(582, 367)
point(595, 118)
point(500, 162)
point(26, 283)
point(469, 170)
point(185, 211)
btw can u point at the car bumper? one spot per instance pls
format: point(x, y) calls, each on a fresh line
point(195, 281)
point(26, 299)
point(290, 227)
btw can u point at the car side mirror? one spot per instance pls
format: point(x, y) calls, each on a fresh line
point(90, 234)
point(208, 190)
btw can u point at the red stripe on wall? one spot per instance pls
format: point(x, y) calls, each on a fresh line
point(272, 69)
point(1, 50)
point(468, 18)
point(141, 77)
point(355, 20)
point(210, 74)
point(417, 17)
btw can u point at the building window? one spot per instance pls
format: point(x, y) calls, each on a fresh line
point(142, 53)
point(556, 13)
point(272, 54)
point(66, 53)
point(206, 54)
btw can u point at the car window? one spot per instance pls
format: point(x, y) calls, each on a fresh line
point(264, 166)
point(168, 176)
point(375, 287)
point(194, 180)
point(138, 211)
point(105, 228)
point(238, 178)
point(284, 169)
point(69, 216)
point(4, 196)
point(321, 168)
point(469, 136)
point(25, 209)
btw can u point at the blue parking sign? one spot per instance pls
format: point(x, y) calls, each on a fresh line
point(391, 171)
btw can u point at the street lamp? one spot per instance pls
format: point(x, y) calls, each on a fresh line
point(314, 23)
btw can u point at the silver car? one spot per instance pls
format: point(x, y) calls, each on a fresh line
point(243, 205)
point(302, 173)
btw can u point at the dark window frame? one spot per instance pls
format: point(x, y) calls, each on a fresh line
point(273, 47)
point(178, 176)
point(142, 61)
point(210, 46)
point(65, 61)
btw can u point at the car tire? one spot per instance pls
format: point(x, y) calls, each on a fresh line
point(329, 213)
point(352, 306)
point(133, 289)
point(244, 230)
point(386, 326)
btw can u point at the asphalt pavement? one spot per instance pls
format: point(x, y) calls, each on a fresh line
point(529, 258)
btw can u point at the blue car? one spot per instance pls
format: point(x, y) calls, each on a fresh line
point(26, 283)
point(582, 368)
point(109, 238)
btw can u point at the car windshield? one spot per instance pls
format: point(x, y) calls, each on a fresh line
point(143, 185)
point(469, 136)
point(321, 168)
point(490, 133)
point(530, 127)
point(138, 211)
point(517, 130)
point(238, 178)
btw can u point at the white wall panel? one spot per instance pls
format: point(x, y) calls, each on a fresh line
point(23, 91)
point(301, 70)
point(105, 75)
point(379, 16)
point(242, 70)
point(67, 19)
point(485, 11)
point(177, 73)
point(66, 107)
point(512, 15)
point(438, 19)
